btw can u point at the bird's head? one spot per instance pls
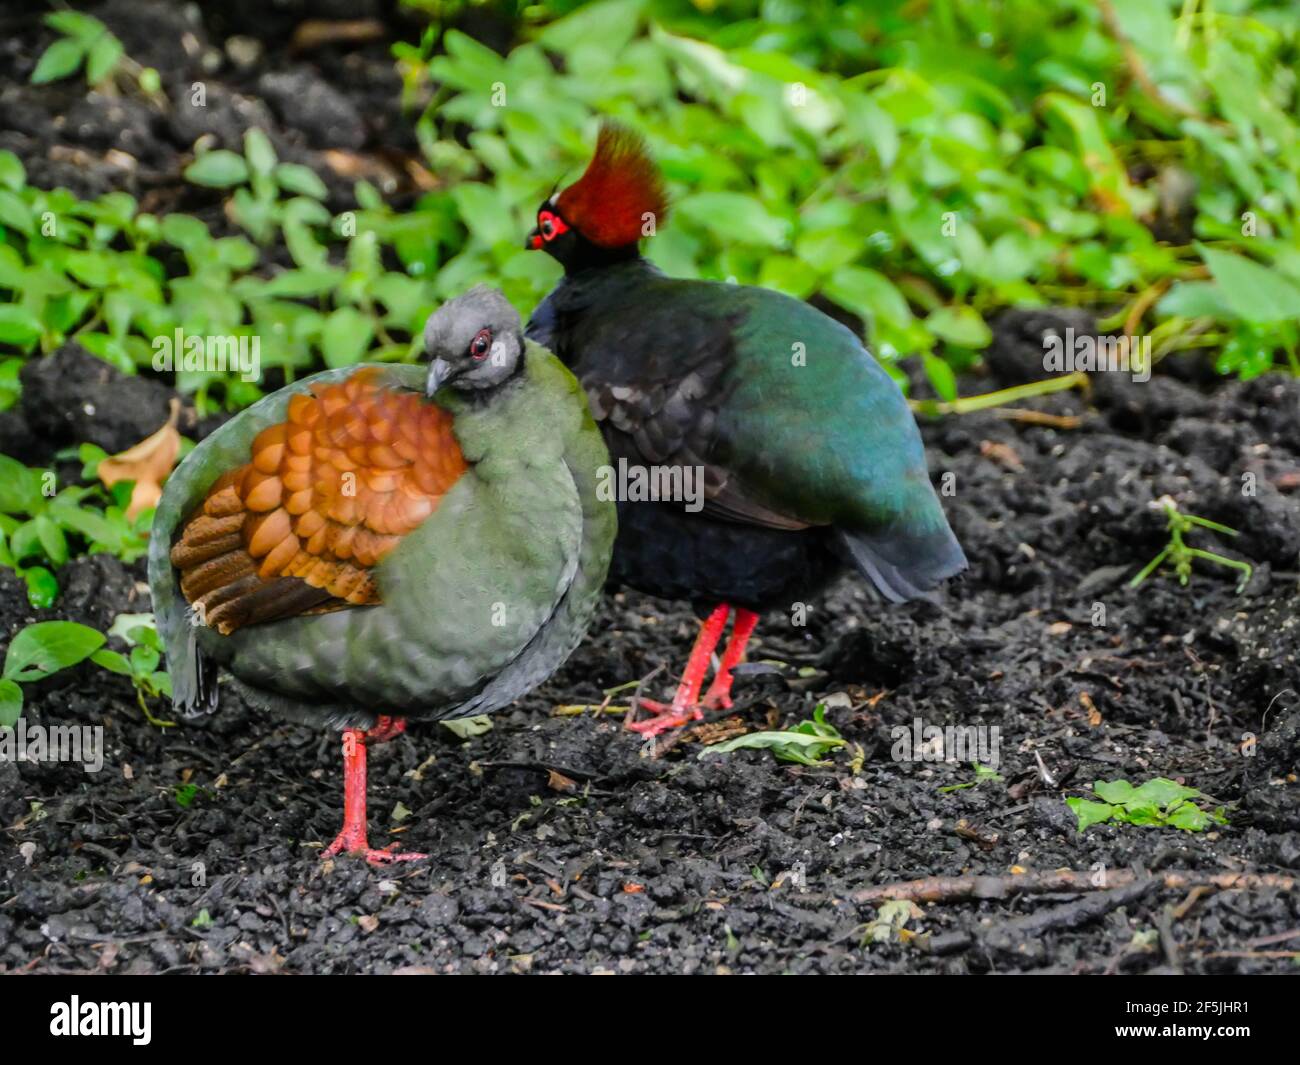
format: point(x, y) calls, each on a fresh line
point(603, 215)
point(475, 342)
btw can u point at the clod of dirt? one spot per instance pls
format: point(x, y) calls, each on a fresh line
point(307, 102)
point(1019, 337)
point(72, 397)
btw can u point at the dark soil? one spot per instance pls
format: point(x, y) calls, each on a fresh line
point(558, 843)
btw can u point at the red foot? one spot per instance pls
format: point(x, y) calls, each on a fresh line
point(352, 840)
point(687, 705)
point(665, 717)
point(718, 697)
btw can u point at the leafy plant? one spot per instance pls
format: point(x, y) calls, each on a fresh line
point(35, 523)
point(85, 40)
point(1178, 553)
point(141, 666)
point(38, 651)
point(258, 178)
point(1158, 802)
point(920, 169)
point(805, 743)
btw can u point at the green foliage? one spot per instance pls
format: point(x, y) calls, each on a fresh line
point(36, 523)
point(1158, 802)
point(805, 743)
point(36, 652)
point(919, 165)
point(93, 271)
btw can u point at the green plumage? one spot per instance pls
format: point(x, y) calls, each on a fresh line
point(479, 603)
point(795, 417)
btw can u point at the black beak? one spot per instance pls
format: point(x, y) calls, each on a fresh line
point(439, 372)
point(533, 241)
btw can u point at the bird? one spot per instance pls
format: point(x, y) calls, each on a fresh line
point(383, 543)
point(804, 450)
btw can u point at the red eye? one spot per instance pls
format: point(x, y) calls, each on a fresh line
point(481, 344)
point(550, 225)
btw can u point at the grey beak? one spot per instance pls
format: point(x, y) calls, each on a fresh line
point(439, 371)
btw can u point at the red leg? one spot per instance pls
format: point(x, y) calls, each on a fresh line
point(353, 839)
point(685, 706)
point(718, 696)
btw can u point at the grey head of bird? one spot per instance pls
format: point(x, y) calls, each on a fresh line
point(475, 342)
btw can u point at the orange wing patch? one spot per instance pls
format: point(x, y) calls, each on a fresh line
point(328, 493)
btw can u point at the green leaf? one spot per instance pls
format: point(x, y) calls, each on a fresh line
point(805, 743)
point(218, 169)
point(1090, 813)
point(111, 661)
point(1161, 792)
point(59, 60)
point(1254, 292)
point(12, 173)
point(300, 180)
point(260, 152)
point(870, 295)
point(733, 217)
point(53, 542)
point(18, 326)
point(75, 24)
point(1195, 299)
point(15, 214)
point(144, 659)
point(42, 587)
point(185, 231)
point(961, 326)
point(346, 337)
point(484, 213)
point(11, 703)
point(103, 58)
point(1115, 792)
point(941, 377)
point(20, 486)
point(10, 385)
point(48, 646)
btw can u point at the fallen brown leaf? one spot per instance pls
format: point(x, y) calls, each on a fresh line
point(1003, 454)
point(147, 464)
point(316, 32)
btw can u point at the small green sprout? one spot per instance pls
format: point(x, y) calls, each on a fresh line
point(1160, 802)
point(85, 39)
point(983, 775)
point(805, 743)
point(141, 666)
point(1181, 555)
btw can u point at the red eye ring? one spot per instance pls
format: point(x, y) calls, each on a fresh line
point(550, 225)
point(480, 345)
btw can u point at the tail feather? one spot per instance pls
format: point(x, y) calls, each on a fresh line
point(194, 676)
point(906, 565)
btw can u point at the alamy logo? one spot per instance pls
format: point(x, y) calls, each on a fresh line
point(22, 742)
point(79, 1018)
point(949, 743)
point(216, 354)
point(1071, 353)
point(652, 484)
